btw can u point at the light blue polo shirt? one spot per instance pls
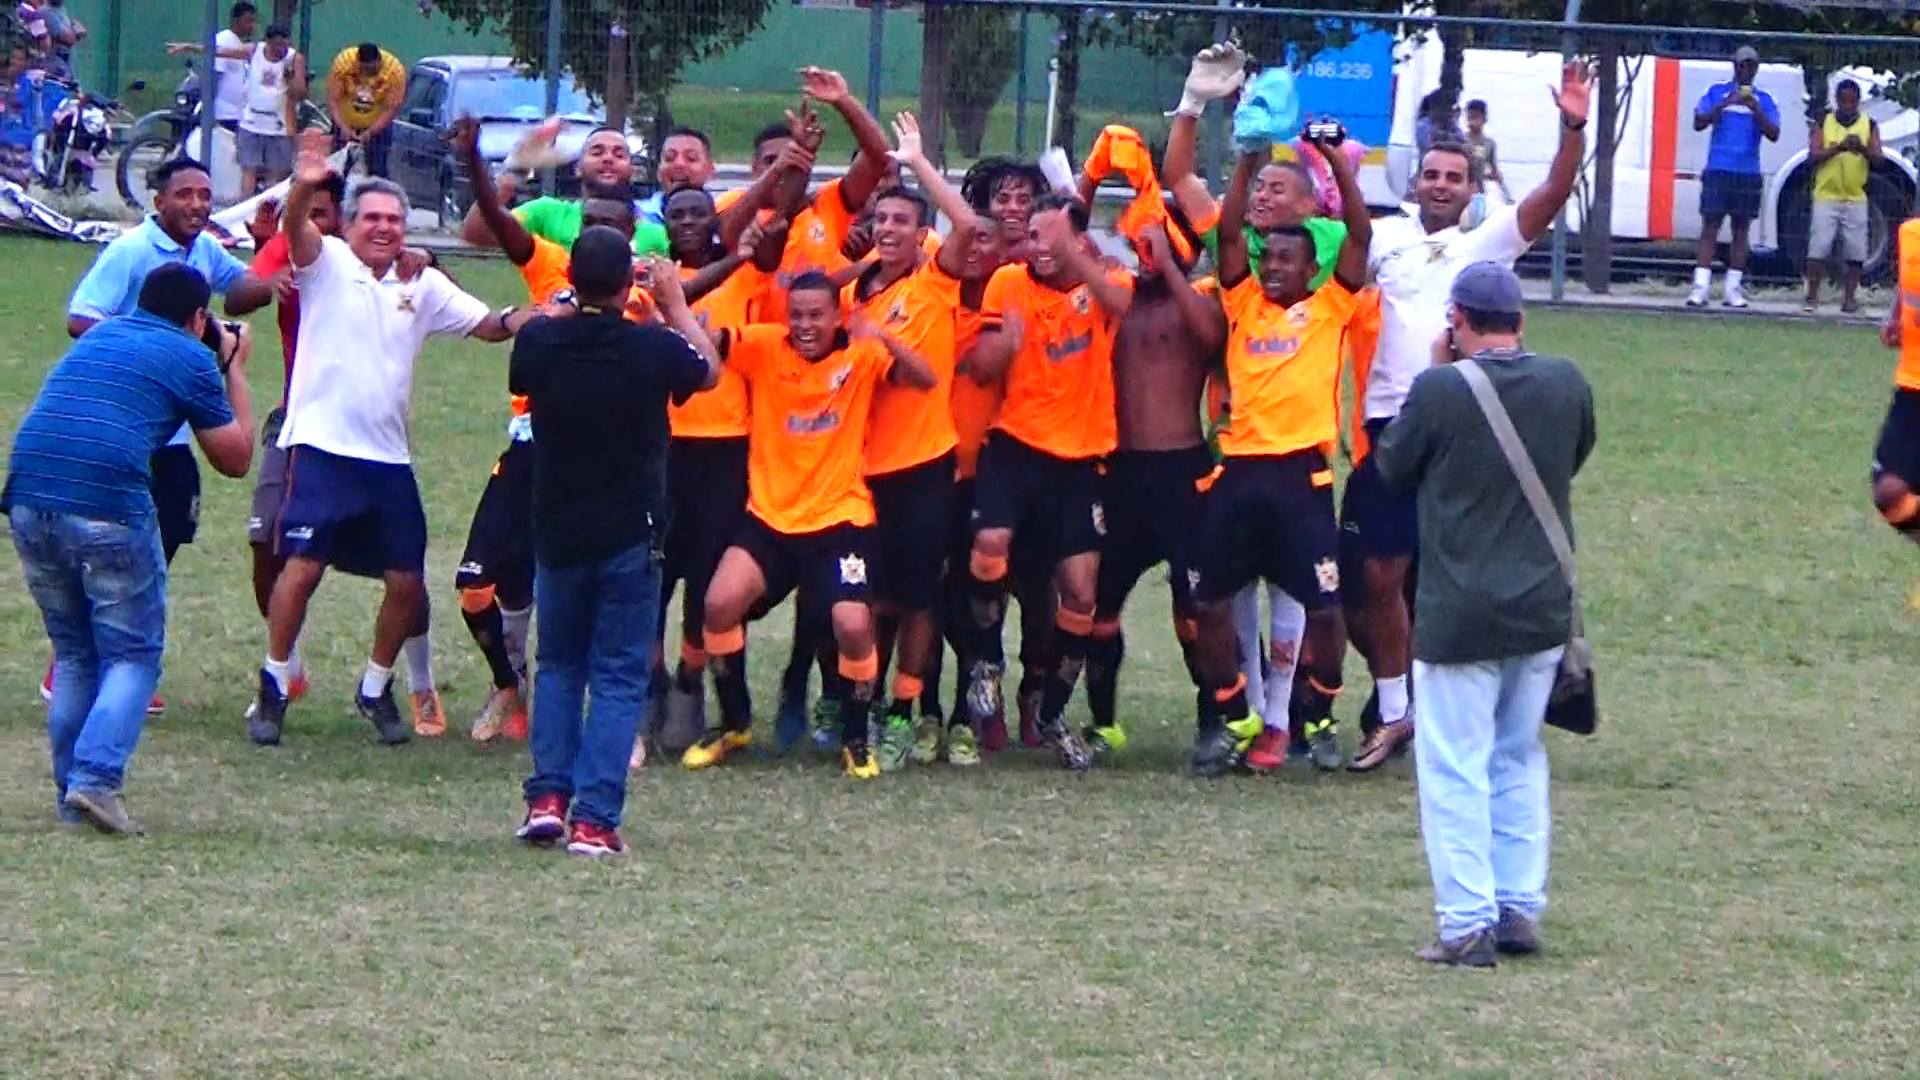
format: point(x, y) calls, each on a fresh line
point(112, 285)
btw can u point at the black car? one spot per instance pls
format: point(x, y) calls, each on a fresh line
point(507, 99)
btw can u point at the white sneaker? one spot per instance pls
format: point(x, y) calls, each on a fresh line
point(1698, 297)
point(1735, 299)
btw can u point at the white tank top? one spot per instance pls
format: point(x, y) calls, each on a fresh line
point(266, 93)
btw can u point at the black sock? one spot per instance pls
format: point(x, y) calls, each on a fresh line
point(856, 709)
point(730, 684)
point(686, 677)
point(1104, 655)
point(987, 611)
point(930, 682)
point(490, 633)
point(795, 679)
point(1057, 689)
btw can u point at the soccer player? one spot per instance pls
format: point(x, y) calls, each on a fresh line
point(1269, 510)
point(351, 495)
point(1896, 460)
point(1005, 191)
point(1414, 261)
point(1050, 326)
point(810, 388)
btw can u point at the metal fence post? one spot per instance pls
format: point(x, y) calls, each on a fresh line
point(306, 32)
point(876, 38)
point(553, 81)
point(1217, 134)
point(209, 86)
point(113, 49)
point(1569, 44)
point(1020, 93)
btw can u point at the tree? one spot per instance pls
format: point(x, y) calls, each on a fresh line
point(986, 50)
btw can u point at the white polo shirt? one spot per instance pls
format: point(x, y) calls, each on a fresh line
point(1415, 270)
point(352, 391)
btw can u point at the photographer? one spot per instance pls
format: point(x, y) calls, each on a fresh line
point(84, 522)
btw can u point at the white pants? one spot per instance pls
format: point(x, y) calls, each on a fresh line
point(1482, 770)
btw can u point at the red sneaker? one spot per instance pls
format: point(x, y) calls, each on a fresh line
point(1269, 750)
point(546, 820)
point(154, 707)
point(594, 841)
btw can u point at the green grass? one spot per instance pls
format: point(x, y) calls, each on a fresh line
point(1733, 874)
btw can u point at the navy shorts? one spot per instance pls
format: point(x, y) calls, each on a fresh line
point(175, 485)
point(913, 511)
point(1898, 451)
point(1053, 502)
point(707, 505)
point(1152, 500)
point(1729, 195)
point(499, 552)
point(360, 517)
point(1375, 522)
point(827, 567)
point(1269, 518)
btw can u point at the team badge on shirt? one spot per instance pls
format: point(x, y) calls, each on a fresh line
point(897, 314)
point(406, 303)
point(1082, 303)
point(818, 233)
point(853, 570)
point(1297, 316)
point(839, 379)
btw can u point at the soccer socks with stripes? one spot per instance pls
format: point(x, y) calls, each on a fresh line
point(727, 659)
point(1105, 651)
point(1073, 637)
point(857, 678)
point(483, 617)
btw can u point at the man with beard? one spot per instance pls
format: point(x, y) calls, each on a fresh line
point(605, 169)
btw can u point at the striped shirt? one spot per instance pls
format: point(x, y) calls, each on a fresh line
point(111, 402)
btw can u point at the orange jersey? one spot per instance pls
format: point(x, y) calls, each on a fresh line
point(814, 240)
point(1283, 369)
point(721, 413)
point(806, 452)
point(975, 407)
point(910, 426)
point(1907, 374)
point(1060, 384)
point(1363, 337)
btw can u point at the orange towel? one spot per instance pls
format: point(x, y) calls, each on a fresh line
point(1119, 149)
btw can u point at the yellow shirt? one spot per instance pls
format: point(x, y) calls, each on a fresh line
point(362, 100)
point(1843, 177)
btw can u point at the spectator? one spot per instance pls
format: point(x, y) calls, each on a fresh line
point(1439, 122)
point(1493, 613)
point(63, 32)
point(363, 94)
point(230, 66)
point(1843, 147)
point(1486, 154)
point(597, 389)
point(275, 79)
point(686, 160)
point(85, 526)
point(1730, 186)
point(16, 118)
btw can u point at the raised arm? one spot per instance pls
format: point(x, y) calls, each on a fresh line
point(830, 89)
point(783, 187)
point(663, 281)
point(501, 227)
point(1072, 248)
point(952, 257)
point(1234, 268)
point(310, 171)
point(1541, 205)
point(1351, 268)
point(1203, 317)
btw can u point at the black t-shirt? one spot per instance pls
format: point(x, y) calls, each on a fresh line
point(597, 388)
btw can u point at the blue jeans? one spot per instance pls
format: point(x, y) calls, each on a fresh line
point(596, 639)
point(102, 591)
point(1482, 769)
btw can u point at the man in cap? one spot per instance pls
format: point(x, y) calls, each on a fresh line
point(1730, 186)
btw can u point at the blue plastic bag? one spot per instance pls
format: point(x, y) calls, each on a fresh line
point(1269, 112)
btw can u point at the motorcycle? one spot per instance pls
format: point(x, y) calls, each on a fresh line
point(78, 134)
point(157, 136)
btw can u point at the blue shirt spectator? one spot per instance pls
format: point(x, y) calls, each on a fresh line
point(1734, 145)
point(106, 407)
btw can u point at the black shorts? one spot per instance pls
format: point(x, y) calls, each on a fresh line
point(499, 552)
point(1152, 500)
point(1053, 502)
point(827, 567)
point(1378, 523)
point(707, 505)
point(1898, 451)
point(1729, 195)
point(1029, 570)
point(175, 485)
point(913, 514)
point(361, 517)
point(1270, 518)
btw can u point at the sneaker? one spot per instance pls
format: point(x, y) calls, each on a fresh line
point(154, 707)
point(1698, 297)
point(501, 707)
point(1245, 731)
point(963, 748)
point(858, 762)
point(715, 747)
point(1105, 741)
point(1215, 751)
point(1474, 951)
point(595, 841)
point(826, 725)
point(685, 719)
point(102, 810)
point(268, 717)
point(983, 702)
point(429, 719)
point(1735, 299)
point(1387, 742)
point(1516, 935)
point(546, 820)
point(1068, 748)
point(1323, 745)
point(1031, 736)
point(1269, 750)
point(896, 743)
point(790, 723)
point(993, 725)
point(384, 715)
point(927, 739)
point(296, 690)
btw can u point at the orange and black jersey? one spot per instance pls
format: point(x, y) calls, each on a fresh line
point(1059, 385)
point(721, 413)
point(1283, 369)
point(910, 426)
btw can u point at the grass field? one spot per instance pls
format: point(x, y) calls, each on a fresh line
point(1733, 885)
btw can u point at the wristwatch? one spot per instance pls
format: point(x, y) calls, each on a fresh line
point(565, 296)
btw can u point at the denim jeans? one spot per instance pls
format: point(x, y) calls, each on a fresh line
point(596, 626)
point(102, 591)
point(1482, 769)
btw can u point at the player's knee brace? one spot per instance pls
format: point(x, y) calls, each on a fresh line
point(1903, 513)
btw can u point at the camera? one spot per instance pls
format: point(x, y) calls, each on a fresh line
point(223, 337)
point(1327, 133)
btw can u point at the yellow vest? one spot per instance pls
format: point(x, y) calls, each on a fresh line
point(1843, 177)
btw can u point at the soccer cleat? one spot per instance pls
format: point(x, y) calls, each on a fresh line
point(927, 740)
point(963, 749)
point(268, 716)
point(1474, 951)
point(1215, 751)
point(1269, 750)
point(1105, 741)
point(154, 707)
point(1245, 730)
point(1388, 741)
point(858, 762)
point(638, 759)
point(1068, 748)
point(595, 841)
point(384, 715)
point(501, 707)
point(296, 690)
point(1323, 745)
point(982, 702)
point(826, 725)
point(896, 743)
point(518, 721)
point(714, 747)
point(546, 820)
point(429, 719)
point(790, 723)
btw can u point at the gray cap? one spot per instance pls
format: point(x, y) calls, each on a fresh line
point(1488, 287)
point(1746, 52)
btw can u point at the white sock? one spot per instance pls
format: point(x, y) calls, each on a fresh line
point(1393, 699)
point(1734, 277)
point(1286, 627)
point(516, 624)
point(374, 683)
point(281, 672)
point(419, 655)
point(1702, 277)
point(1246, 627)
